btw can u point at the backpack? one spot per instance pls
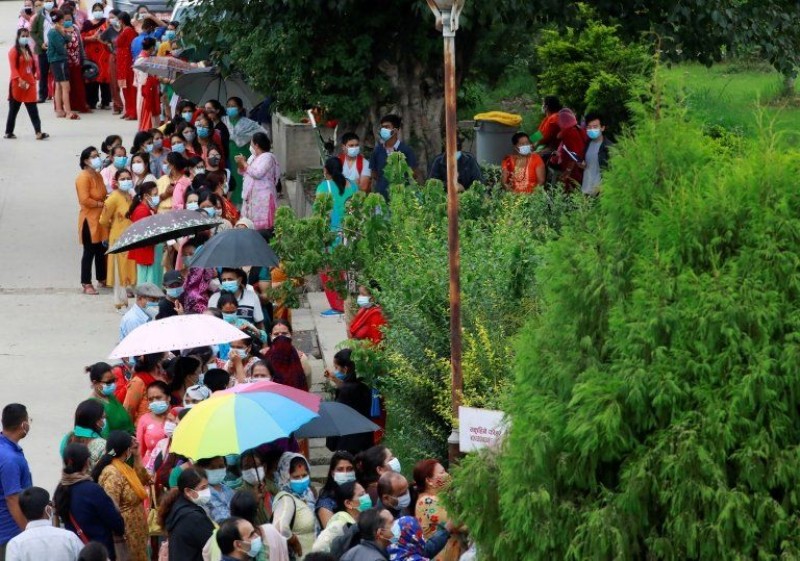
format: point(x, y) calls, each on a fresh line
point(346, 541)
point(359, 163)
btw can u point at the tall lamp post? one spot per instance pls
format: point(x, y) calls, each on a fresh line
point(447, 13)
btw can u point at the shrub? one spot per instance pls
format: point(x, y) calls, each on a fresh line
point(656, 409)
point(592, 69)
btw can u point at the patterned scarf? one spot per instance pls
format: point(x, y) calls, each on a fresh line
point(286, 364)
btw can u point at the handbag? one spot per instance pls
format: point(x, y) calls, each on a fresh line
point(90, 70)
point(153, 527)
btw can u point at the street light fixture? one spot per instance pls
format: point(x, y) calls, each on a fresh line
point(447, 14)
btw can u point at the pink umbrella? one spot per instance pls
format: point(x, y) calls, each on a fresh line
point(176, 332)
point(304, 398)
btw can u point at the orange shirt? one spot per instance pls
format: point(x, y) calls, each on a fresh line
point(523, 178)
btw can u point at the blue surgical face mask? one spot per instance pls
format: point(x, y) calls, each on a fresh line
point(179, 148)
point(340, 375)
point(109, 389)
point(158, 142)
point(203, 132)
point(230, 318)
point(395, 532)
point(525, 150)
point(155, 200)
point(594, 134)
point(148, 148)
point(300, 486)
point(120, 161)
point(97, 163)
point(175, 292)
point(241, 352)
point(386, 134)
point(192, 206)
point(68, 24)
point(187, 116)
point(353, 151)
point(158, 407)
point(211, 211)
point(232, 112)
point(97, 15)
point(126, 184)
point(229, 285)
point(169, 34)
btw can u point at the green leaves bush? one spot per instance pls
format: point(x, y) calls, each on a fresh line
point(656, 409)
point(591, 69)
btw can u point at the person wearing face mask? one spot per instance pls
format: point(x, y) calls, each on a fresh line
point(121, 269)
point(289, 365)
point(140, 167)
point(256, 480)
point(354, 165)
point(469, 171)
point(157, 153)
point(57, 56)
point(261, 173)
point(375, 529)
point(98, 89)
point(41, 25)
point(148, 259)
point(294, 505)
point(124, 67)
point(187, 133)
point(14, 471)
point(185, 375)
point(117, 160)
point(126, 484)
point(407, 541)
point(172, 186)
point(145, 308)
point(150, 89)
point(91, 197)
point(350, 501)
point(394, 493)
point(390, 136)
point(22, 86)
point(75, 56)
point(523, 169)
point(597, 154)
point(195, 394)
point(369, 321)
point(41, 540)
point(148, 369)
point(104, 384)
point(83, 506)
point(183, 515)
point(229, 307)
point(249, 307)
point(350, 390)
point(150, 426)
point(211, 204)
point(218, 505)
point(241, 131)
point(243, 354)
point(239, 540)
point(25, 15)
point(218, 181)
point(109, 39)
point(207, 136)
point(371, 464)
point(340, 471)
point(245, 505)
point(90, 425)
point(430, 478)
point(215, 112)
point(187, 111)
point(171, 304)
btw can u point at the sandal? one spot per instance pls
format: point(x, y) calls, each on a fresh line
point(61, 114)
point(89, 289)
point(42, 136)
point(74, 117)
point(10, 135)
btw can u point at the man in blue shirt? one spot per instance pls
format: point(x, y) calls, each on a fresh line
point(389, 134)
point(15, 475)
point(149, 29)
point(143, 310)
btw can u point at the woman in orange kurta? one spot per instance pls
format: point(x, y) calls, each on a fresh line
point(22, 88)
point(523, 169)
point(91, 197)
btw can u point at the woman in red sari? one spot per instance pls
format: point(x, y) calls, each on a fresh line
point(75, 55)
point(125, 66)
point(523, 169)
point(98, 90)
point(150, 110)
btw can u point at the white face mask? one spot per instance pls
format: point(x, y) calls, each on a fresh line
point(215, 476)
point(169, 428)
point(344, 477)
point(138, 168)
point(203, 497)
point(363, 301)
point(253, 476)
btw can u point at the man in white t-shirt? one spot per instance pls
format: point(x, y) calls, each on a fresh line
point(249, 306)
point(355, 165)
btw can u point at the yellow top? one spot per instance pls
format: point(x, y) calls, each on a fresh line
point(113, 215)
point(166, 202)
point(508, 119)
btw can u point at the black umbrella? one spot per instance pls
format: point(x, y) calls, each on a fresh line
point(239, 247)
point(163, 227)
point(336, 419)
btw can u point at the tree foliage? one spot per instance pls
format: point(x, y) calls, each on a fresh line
point(656, 409)
point(404, 248)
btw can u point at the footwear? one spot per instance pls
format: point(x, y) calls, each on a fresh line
point(90, 290)
point(10, 136)
point(105, 107)
point(116, 112)
point(41, 101)
point(42, 136)
point(330, 313)
point(74, 117)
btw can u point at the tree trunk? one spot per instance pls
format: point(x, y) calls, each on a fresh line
point(420, 103)
point(789, 82)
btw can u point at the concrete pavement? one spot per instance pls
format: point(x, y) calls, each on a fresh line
point(48, 330)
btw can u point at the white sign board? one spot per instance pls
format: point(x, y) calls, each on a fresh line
point(479, 428)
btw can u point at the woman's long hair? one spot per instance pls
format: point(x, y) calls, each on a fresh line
point(334, 168)
point(141, 192)
point(19, 47)
point(188, 479)
point(76, 456)
point(117, 444)
point(329, 490)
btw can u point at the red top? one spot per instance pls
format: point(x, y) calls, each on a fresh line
point(97, 52)
point(574, 139)
point(144, 255)
point(549, 129)
point(367, 324)
point(22, 71)
point(124, 55)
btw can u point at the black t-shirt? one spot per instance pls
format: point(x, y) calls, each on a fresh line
point(166, 309)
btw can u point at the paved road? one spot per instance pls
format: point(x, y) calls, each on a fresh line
point(48, 330)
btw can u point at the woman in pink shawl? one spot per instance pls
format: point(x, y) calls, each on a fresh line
point(261, 173)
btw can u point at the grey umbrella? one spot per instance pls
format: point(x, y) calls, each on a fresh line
point(336, 419)
point(163, 227)
point(201, 87)
point(239, 247)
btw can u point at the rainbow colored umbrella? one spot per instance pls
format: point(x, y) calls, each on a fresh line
point(241, 418)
